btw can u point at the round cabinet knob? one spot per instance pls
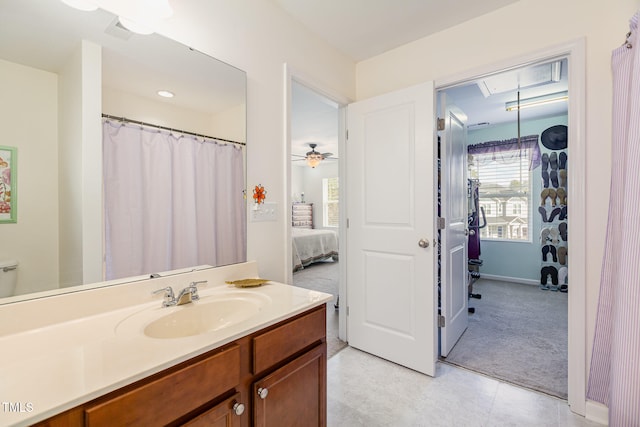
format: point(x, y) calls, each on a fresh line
point(263, 393)
point(423, 243)
point(238, 408)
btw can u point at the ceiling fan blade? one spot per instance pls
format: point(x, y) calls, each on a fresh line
point(327, 154)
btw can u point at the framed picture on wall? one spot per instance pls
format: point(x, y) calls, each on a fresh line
point(8, 185)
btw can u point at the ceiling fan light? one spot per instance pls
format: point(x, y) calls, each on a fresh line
point(314, 160)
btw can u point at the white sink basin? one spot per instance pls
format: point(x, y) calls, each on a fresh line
point(211, 313)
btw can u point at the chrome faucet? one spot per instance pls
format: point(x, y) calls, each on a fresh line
point(187, 295)
point(169, 297)
point(190, 293)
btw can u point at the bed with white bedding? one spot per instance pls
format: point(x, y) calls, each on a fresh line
point(313, 245)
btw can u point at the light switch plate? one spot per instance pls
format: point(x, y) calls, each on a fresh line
point(264, 212)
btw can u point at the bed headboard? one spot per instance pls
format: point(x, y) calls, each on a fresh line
point(302, 215)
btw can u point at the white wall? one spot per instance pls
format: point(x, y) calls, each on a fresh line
point(29, 121)
point(259, 38)
point(92, 210)
point(70, 171)
point(80, 167)
point(228, 124)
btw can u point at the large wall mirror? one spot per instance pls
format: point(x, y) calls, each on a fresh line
point(64, 73)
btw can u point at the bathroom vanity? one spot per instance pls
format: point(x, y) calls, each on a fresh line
point(108, 369)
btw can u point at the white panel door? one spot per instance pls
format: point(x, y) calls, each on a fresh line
point(390, 211)
point(454, 286)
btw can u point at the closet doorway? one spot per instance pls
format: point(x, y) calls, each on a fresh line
point(315, 199)
point(517, 184)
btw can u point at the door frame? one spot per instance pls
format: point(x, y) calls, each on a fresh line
point(574, 51)
point(292, 74)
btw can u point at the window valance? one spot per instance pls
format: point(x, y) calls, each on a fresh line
point(508, 150)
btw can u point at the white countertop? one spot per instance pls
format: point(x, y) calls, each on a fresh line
point(47, 370)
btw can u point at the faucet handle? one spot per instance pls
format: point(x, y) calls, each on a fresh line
point(169, 297)
point(199, 282)
point(194, 289)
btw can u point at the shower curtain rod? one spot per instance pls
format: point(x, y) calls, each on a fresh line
point(136, 122)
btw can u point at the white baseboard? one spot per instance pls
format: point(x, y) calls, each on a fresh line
point(510, 279)
point(597, 412)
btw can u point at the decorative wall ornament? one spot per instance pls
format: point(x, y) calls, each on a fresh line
point(8, 185)
point(259, 194)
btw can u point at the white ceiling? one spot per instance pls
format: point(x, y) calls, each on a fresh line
point(365, 28)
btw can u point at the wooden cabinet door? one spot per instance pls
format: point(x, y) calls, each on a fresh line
point(225, 414)
point(295, 392)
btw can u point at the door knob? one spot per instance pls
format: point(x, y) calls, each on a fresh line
point(238, 408)
point(263, 392)
point(472, 232)
point(423, 243)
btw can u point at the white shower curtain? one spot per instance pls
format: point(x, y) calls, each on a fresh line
point(615, 366)
point(171, 201)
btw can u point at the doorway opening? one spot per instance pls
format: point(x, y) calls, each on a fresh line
point(517, 225)
point(314, 183)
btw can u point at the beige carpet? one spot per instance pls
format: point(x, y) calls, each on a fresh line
point(518, 334)
point(324, 277)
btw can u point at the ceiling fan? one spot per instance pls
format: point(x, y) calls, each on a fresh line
point(313, 158)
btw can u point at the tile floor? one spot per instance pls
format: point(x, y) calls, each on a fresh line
point(363, 390)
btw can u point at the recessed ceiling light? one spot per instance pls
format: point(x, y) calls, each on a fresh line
point(165, 94)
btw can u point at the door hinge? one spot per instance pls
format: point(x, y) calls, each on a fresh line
point(440, 321)
point(441, 223)
point(346, 134)
point(440, 124)
point(347, 222)
point(347, 310)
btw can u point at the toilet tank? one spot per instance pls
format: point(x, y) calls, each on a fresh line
point(8, 277)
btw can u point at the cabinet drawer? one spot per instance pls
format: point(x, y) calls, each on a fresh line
point(161, 400)
point(286, 340)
